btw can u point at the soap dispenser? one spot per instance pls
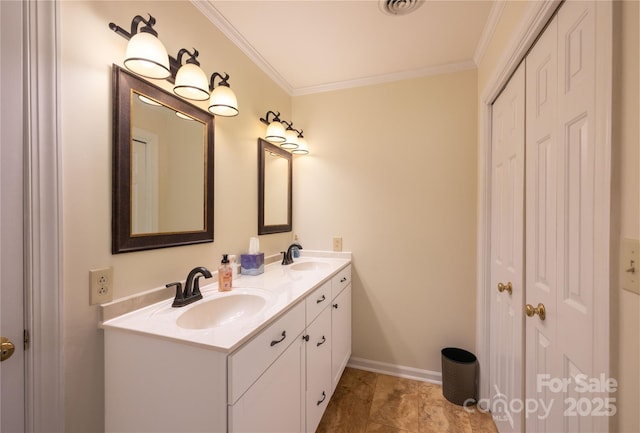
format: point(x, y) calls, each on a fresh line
point(294, 250)
point(225, 274)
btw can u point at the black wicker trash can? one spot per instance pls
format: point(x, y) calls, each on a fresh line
point(459, 376)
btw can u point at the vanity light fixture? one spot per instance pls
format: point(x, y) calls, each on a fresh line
point(191, 81)
point(291, 137)
point(223, 101)
point(303, 148)
point(275, 129)
point(147, 56)
point(288, 138)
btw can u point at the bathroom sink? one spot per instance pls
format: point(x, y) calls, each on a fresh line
point(309, 266)
point(224, 310)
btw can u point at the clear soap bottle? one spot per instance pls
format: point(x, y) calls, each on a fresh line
point(294, 250)
point(225, 274)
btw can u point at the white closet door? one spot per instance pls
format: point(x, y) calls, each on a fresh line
point(542, 190)
point(561, 229)
point(507, 207)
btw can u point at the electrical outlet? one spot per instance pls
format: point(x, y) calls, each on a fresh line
point(101, 286)
point(337, 243)
point(630, 265)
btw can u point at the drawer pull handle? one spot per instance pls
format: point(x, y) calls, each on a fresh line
point(343, 279)
point(335, 306)
point(324, 396)
point(305, 337)
point(324, 340)
point(284, 335)
point(321, 299)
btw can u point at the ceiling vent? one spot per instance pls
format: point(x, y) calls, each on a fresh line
point(399, 7)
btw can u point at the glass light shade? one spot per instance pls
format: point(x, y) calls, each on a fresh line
point(149, 101)
point(191, 83)
point(223, 102)
point(183, 116)
point(147, 56)
point(302, 149)
point(291, 140)
point(275, 132)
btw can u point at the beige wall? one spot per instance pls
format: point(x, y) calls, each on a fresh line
point(392, 171)
point(89, 48)
point(625, 215)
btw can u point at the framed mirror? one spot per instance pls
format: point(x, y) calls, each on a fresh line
point(162, 168)
point(274, 188)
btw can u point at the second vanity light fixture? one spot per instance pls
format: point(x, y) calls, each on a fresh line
point(287, 138)
point(148, 57)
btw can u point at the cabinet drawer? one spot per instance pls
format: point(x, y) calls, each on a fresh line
point(318, 300)
point(341, 280)
point(319, 385)
point(248, 362)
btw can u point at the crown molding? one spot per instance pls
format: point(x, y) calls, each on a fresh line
point(218, 20)
point(490, 27)
point(386, 78)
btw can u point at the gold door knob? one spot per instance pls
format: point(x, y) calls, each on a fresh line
point(531, 311)
point(505, 288)
point(6, 349)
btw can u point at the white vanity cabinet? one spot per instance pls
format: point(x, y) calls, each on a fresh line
point(274, 403)
point(279, 379)
point(266, 378)
point(157, 385)
point(318, 355)
point(340, 324)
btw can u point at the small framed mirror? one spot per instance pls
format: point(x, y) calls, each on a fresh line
point(274, 188)
point(162, 168)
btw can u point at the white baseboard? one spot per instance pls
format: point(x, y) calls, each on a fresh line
point(396, 370)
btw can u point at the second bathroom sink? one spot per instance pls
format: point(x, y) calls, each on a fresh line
point(309, 266)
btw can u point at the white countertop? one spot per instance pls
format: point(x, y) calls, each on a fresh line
point(281, 285)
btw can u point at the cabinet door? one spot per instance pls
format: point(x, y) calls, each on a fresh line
point(273, 404)
point(318, 350)
point(340, 334)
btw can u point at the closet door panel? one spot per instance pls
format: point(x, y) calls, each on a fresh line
point(576, 109)
point(507, 253)
point(561, 228)
point(543, 182)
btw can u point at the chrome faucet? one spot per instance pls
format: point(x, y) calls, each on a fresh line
point(287, 259)
point(191, 287)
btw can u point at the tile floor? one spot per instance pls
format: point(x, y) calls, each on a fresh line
point(366, 402)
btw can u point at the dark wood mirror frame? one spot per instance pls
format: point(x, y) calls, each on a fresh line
point(263, 229)
point(123, 240)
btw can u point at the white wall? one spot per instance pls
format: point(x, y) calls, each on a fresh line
point(88, 49)
point(392, 171)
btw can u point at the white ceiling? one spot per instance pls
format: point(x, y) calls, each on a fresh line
point(310, 46)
